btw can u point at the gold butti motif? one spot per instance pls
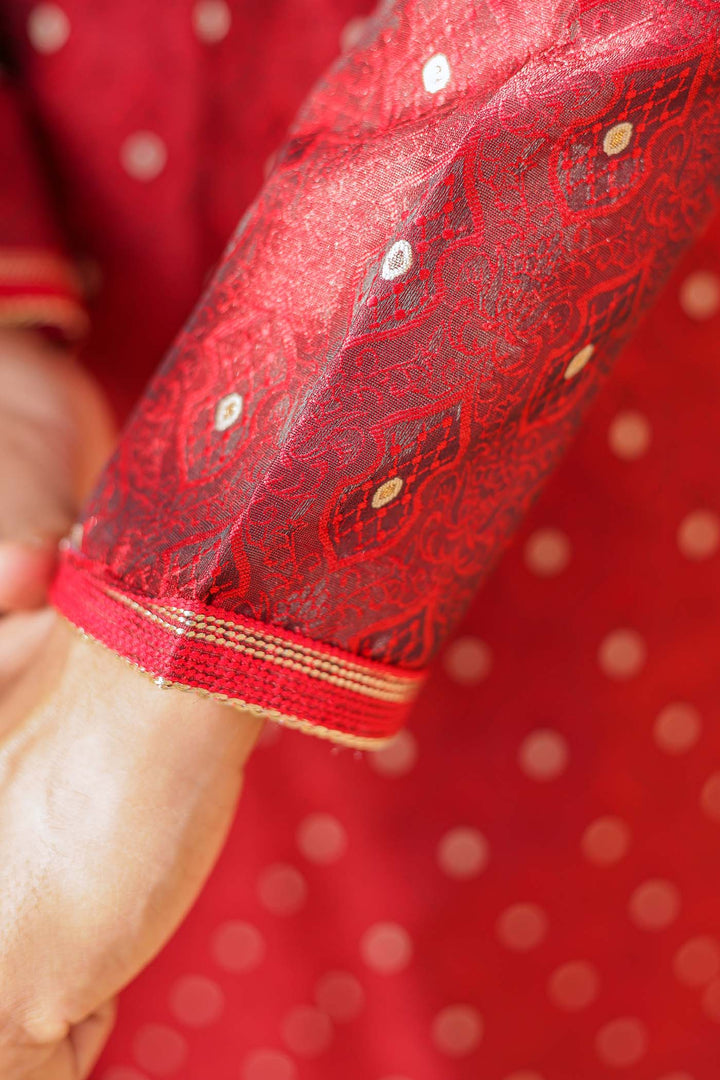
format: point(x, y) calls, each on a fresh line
point(579, 361)
point(387, 492)
point(617, 139)
point(228, 411)
point(397, 261)
point(436, 73)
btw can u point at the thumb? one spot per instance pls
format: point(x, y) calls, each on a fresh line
point(89, 1037)
point(25, 573)
point(55, 432)
point(74, 1056)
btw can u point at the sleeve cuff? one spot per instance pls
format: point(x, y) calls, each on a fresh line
point(39, 288)
point(283, 676)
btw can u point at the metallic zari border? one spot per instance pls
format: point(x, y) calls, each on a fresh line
point(295, 723)
point(277, 674)
point(43, 310)
point(39, 287)
point(265, 646)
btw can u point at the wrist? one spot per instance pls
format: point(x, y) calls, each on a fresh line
point(183, 727)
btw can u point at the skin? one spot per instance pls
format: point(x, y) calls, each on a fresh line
point(116, 796)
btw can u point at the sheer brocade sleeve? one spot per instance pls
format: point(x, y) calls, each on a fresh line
point(472, 212)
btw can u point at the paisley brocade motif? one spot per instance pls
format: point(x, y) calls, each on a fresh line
point(423, 296)
point(416, 448)
point(601, 167)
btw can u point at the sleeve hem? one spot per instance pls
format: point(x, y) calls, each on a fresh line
point(40, 288)
point(286, 677)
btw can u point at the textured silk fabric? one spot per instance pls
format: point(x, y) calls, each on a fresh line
point(471, 213)
point(523, 885)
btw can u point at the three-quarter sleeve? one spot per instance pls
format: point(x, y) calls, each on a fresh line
point(38, 282)
point(472, 212)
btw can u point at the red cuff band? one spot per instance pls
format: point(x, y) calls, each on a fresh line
point(288, 678)
point(39, 288)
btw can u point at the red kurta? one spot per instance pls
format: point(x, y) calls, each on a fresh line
point(468, 219)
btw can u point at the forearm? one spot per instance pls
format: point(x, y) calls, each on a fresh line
point(123, 791)
point(55, 433)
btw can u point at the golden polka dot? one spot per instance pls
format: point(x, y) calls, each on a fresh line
point(697, 962)
point(463, 853)
point(700, 295)
point(307, 1031)
point(574, 986)
point(196, 1000)
point(397, 758)
point(387, 492)
point(143, 155)
point(48, 28)
point(524, 1074)
point(655, 904)
point(386, 948)
point(711, 1001)
point(710, 797)
point(237, 946)
point(267, 1064)
point(677, 728)
point(629, 435)
point(617, 139)
point(282, 889)
point(321, 838)
point(467, 660)
point(352, 32)
point(522, 927)
point(120, 1072)
point(579, 361)
point(457, 1030)
point(543, 755)
point(547, 552)
point(622, 654)
point(699, 535)
point(340, 995)
point(605, 841)
point(159, 1049)
point(211, 20)
point(228, 412)
point(622, 1042)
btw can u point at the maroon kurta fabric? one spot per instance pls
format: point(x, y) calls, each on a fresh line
point(470, 216)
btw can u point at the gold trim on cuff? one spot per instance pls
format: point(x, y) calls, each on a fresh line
point(43, 310)
point(275, 650)
point(296, 723)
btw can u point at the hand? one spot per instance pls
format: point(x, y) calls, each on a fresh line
point(55, 433)
point(115, 799)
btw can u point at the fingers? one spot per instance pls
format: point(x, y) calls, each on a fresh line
point(89, 1037)
point(72, 1058)
point(25, 574)
point(55, 433)
point(36, 485)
